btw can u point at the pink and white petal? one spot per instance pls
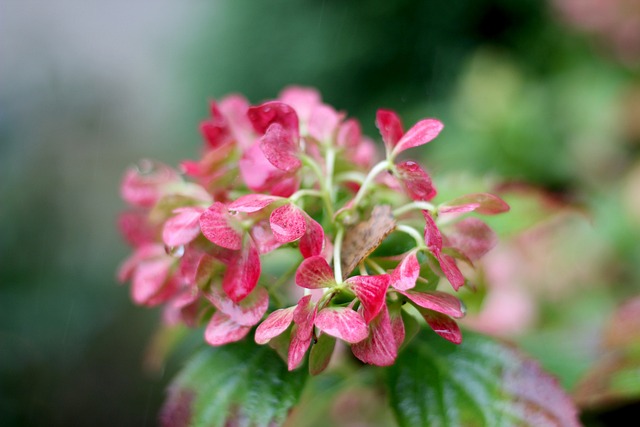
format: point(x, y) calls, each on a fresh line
point(252, 202)
point(304, 315)
point(349, 134)
point(371, 291)
point(263, 237)
point(483, 203)
point(144, 185)
point(189, 262)
point(166, 293)
point(183, 227)
point(215, 224)
point(256, 171)
point(432, 235)
point(416, 181)
point(280, 148)
point(380, 347)
point(275, 324)
point(247, 312)
point(298, 348)
point(451, 271)
point(422, 132)
point(146, 252)
point(441, 302)
point(222, 330)
point(284, 184)
point(390, 127)
point(397, 325)
point(343, 323)
point(135, 227)
point(288, 223)
point(264, 115)
point(315, 273)
point(473, 238)
point(443, 325)
point(323, 123)
point(406, 273)
point(242, 273)
point(312, 242)
point(149, 278)
point(235, 107)
point(302, 99)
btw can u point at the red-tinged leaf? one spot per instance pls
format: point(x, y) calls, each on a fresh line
point(404, 276)
point(298, 348)
point(247, 312)
point(451, 271)
point(441, 302)
point(222, 330)
point(379, 348)
point(183, 227)
point(442, 325)
point(485, 383)
point(263, 116)
point(416, 181)
point(432, 236)
point(422, 132)
point(215, 224)
point(263, 237)
point(149, 278)
point(321, 353)
point(390, 127)
point(280, 148)
point(343, 323)
point(288, 223)
point(275, 324)
point(312, 242)
point(242, 273)
point(323, 123)
point(472, 237)
point(371, 291)
point(483, 203)
point(252, 202)
point(315, 273)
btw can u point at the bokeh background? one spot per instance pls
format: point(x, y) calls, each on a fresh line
point(540, 100)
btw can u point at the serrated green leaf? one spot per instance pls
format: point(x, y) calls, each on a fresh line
point(240, 384)
point(479, 383)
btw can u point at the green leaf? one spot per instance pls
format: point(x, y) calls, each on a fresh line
point(479, 383)
point(241, 384)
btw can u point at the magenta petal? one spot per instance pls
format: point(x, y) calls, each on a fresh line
point(275, 324)
point(323, 123)
point(343, 323)
point(263, 116)
point(222, 330)
point(406, 273)
point(216, 227)
point(380, 347)
point(416, 181)
point(443, 325)
point(441, 302)
point(280, 148)
point(303, 317)
point(390, 127)
point(371, 291)
point(397, 325)
point(288, 223)
point(473, 238)
point(149, 278)
point(315, 273)
point(421, 133)
point(242, 274)
point(451, 271)
point(247, 312)
point(183, 227)
point(312, 242)
point(297, 349)
point(483, 203)
point(252, 202)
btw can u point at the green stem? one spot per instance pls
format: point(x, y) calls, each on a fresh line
point(375, 171)
point(337, 259)
point(413, 233)
point(417, 205)
point(325, 192)
point(376, 266)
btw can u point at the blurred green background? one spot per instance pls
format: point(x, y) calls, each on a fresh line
point(535, 92)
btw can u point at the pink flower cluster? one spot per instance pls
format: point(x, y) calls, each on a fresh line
point(295, 177)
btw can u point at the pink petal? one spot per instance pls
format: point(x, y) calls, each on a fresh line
point(301, 335)
point(441, 302)
point(183, 227)
point(451, 271)
point(247, 312)
point(323, 123)
point(256, 171)
point(235, 107)
point(315, 273)
point(343, 323)
point(263, 237)
point(406, 273)
point(390, 127)
point(483, 203)
point(421, 133)
point(380, 347)
point(416, 181)
point(216, 226)
point(263, 116)
point(371, 291)
point(275, 324)
point(143, 253)
point(288, 223)
point(297, 349)
point(302, 99)
point(280, 148)
point(242, 274)
point(149, 278)
point(472, 237)
point(433, 240)
point(312, 242)
point(432, 236)
point(443, 325)
point(349, 134)
point(144, 185)
point(215, 130)
point(252, 202)
point(135, 228)
point(397, 325)
point(221, 330)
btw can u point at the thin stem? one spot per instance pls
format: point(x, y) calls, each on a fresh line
point(375, 266)
point(326, 197)
point(331, 160)
point(337, 258)
point(413, 233)
point(375, 171)
point(302, 193)
point(350, 176)
point(417, 205)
